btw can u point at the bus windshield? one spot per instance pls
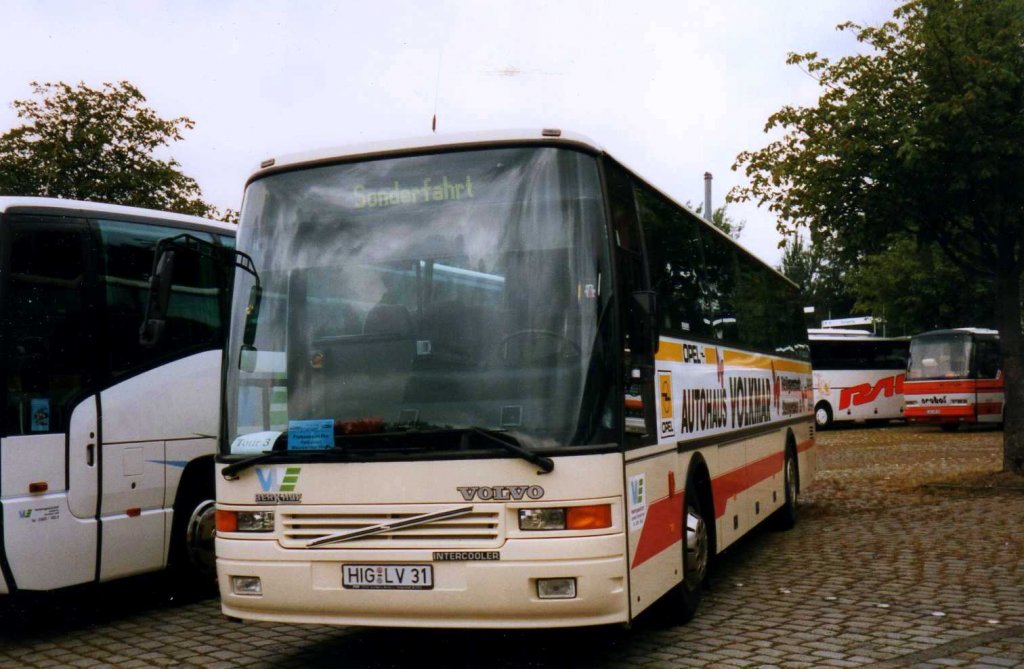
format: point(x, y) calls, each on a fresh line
point(425, 293)
point(946, 356)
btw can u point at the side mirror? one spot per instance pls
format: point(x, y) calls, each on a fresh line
point(643, 322)
point(155, 322)
point(247, 354)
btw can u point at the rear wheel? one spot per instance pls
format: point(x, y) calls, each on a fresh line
point(785, 517)
point(823, 416)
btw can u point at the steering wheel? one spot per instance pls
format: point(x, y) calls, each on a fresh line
point(564, 347)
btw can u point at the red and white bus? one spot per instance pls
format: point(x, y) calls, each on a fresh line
point(451, 400)
point(954, 377)
point(857, 376)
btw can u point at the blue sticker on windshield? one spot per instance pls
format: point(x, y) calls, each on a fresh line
point(40, 408)
point(310, 435)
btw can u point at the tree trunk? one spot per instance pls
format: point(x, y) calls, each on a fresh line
point(1009, 318)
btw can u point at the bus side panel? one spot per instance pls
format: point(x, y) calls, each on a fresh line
point(991, 401)
point(40, 532)
point(856, 395)
point(654, 520)
point(150, 427)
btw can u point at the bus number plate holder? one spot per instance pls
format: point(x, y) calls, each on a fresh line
point(387, 576)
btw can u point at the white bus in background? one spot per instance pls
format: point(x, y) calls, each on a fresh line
point(857, 376)
point(452, 402)
point(106, 445)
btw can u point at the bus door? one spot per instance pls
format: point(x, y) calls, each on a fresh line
point(48, 435)
point(989, 393)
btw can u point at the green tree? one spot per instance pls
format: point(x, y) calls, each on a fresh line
point(722, 220)
point(99, 144)
point(921, 135)
point(822, 281)
point(916, 288)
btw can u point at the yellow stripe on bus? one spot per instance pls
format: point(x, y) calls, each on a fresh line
point(759, 361)
point(669, 351)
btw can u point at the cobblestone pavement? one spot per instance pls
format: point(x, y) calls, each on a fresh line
point(888, 567)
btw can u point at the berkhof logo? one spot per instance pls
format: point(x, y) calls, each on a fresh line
point(278, 491)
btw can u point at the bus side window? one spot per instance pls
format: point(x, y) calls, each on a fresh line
point(719, 287)
point(46, 325)
point(674, 251)
point(194, 311)
point(988, 359)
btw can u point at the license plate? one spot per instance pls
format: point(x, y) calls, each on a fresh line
point(933, 412)
point(387, 576)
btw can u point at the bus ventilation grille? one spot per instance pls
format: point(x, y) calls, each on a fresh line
point(480, 529)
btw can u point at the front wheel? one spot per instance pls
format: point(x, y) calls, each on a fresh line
point(192, 537)
point(696, 556)
point(823, 416)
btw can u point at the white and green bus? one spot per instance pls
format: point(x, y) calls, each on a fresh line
point(496, 381)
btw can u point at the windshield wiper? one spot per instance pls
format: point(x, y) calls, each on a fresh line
point(546, 464)
point(231, 472)
point(507, 440)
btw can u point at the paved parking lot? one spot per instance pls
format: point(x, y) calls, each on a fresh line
point(890, 566)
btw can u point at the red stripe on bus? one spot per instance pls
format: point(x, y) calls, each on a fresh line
point(960, 386)
point(989, 408)
point(944, 410)
point(662, 528)
point(663, 525)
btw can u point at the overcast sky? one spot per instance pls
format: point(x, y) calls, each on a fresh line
point(671, 88)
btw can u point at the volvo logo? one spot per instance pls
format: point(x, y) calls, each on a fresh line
point(500, 493)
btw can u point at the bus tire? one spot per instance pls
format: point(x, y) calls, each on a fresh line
point(949, 427)
point(696, 556)
point(192, 559)
point(785, 516)
point(823, 416)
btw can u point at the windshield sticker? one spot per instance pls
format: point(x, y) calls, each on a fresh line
point(399, 194)
point(637, 501)
point(278, 485)
point(256, 442)
point(40, 415)
point(310, 435)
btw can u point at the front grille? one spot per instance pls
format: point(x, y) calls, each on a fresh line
point(478, 529)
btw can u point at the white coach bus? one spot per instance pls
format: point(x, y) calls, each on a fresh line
point(857, 376)
point(106, 445)
point(496, 381)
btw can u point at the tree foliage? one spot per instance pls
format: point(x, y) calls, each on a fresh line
point(920, 136)
point(97, 144)
point(822, 281)
point(722, 220)
point(914, 288)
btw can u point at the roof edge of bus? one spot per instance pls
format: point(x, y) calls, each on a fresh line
point(967, 330)
point(457, 141)
point(375, 149)
point(12, 202)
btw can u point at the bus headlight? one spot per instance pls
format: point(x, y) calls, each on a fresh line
point(245, 521)
point(542, 519)
point(246, 585)
point(592, 517)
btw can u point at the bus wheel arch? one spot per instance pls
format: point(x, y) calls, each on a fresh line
point(823, 415)
point(698, 540)
point(785, 516)
point(191, 553)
